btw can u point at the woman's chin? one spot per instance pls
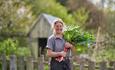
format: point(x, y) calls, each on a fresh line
point(58, 32)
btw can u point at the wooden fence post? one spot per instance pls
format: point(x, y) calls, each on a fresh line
point(30, 65)
point(49, 63)
point(114, 65)
point(21, 63)
point(4, 62)
point(103, 65)
point(13, 65)
point(82, 64)
point(71, 63)
point(91, 65)
point(41, 63)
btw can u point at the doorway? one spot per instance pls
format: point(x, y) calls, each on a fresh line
point(42, 42)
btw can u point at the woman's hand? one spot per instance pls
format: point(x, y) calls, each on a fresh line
point(68, 45)
point(62, 53)
point(61, 56)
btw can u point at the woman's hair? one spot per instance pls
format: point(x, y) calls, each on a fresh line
point(57, 21)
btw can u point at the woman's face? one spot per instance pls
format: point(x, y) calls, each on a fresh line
point(58, 27)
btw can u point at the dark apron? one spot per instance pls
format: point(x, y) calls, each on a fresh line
point(63, 65)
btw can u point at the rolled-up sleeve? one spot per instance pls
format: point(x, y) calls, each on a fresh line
point(50, 43)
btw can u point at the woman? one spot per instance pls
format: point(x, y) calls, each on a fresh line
point(56, 45)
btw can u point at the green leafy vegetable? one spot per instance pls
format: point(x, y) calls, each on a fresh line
point(81, 40)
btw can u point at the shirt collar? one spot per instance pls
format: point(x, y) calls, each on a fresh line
point(57, 37)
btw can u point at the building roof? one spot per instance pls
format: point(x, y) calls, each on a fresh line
point(50, 18)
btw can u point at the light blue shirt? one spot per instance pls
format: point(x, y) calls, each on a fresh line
point(56, 44)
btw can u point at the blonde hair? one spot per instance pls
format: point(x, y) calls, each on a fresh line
point(58, 20)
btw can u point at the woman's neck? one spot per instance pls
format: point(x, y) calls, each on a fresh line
point(59, 35)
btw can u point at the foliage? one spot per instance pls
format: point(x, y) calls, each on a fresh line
point(81, 15)
point(110, 21)
point(23, 51)
point(90, 15)
point(10, 46)
point(106, 50)
point(62, 2)
point(110, 4)
point(53, 8)
point(15, 16)
point(105, 54)
point(80, 39)
point(0, 65)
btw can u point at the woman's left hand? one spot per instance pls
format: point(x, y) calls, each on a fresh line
point(68, 45)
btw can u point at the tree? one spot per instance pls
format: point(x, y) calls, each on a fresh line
point(81, 15)
point(105, 34)
point(14, 16)
point(93, 14)
point(53, 8)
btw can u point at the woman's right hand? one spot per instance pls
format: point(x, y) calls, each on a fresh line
point(68, 45)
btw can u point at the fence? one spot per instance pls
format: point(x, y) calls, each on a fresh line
point(29, 63)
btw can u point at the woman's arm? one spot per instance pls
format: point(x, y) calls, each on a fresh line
point(50, 53)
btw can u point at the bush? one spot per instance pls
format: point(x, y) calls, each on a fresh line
point(11, 46)
point(8, 46)
point(23, 51)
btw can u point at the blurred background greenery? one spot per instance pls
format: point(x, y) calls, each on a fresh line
point(95, 16)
